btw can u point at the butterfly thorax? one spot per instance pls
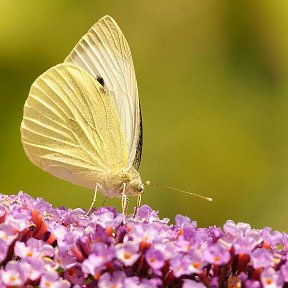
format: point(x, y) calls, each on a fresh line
point(118, 182)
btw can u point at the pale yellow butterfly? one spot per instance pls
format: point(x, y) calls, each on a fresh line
point(82, 118)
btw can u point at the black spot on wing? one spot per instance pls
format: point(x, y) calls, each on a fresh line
point(100, 80)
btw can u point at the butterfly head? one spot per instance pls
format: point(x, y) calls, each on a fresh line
point(113, 183)
point(136, 186)
point(133, 182)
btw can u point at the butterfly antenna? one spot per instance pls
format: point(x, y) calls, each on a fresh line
point(179, 190)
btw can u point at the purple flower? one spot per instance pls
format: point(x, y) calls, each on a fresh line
point(92, 266)
point(181, 265)
point(284, 272)
point(45, 247)
point(33, 249)
point(147, 214)
point(136, 282)
point(116, 280)
point(236, 229)
point(252, 284)
point(3, 249)
point(271, 238)
point(32, 268)
point(101, 255)
point(154, 258)
point(52, 280)
point(64, 258)
point(12, 275)
point(74, 275)
point(7, 233)
point(271, 278)
point(18, 218)
point(106, 218)
point(216, 254)
point(127, 253)
point(192, 284)
point(144, 232)
point(242, 245)
point(196, 261)
point(215, 232)
point(184, 221)
point(261, 258)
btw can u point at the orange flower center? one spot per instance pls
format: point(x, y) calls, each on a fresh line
point(266, 245)
point(97, 275)
point(216, 258)
point(12, 278)
point(127, 255)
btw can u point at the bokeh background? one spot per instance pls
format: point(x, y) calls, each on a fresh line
point(213, 83)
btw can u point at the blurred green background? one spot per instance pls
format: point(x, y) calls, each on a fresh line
point(213, 83)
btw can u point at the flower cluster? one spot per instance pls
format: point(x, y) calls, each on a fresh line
point(45, 247)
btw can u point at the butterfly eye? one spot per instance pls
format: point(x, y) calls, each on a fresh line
point(141, 188)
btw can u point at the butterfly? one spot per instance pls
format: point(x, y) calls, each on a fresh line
point(82, 118)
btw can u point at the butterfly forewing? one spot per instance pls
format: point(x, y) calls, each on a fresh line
point(104, 53)
point(71, 127)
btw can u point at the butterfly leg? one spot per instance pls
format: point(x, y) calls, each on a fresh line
point(138, 203)
point(93, 201)
point(104, 201)
point(125, 202)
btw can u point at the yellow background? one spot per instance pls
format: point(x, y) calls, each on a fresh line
point(213, 83)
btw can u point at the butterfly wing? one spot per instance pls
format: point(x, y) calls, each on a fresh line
point(104, 53)
point(71, 128)
point(137, 158)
